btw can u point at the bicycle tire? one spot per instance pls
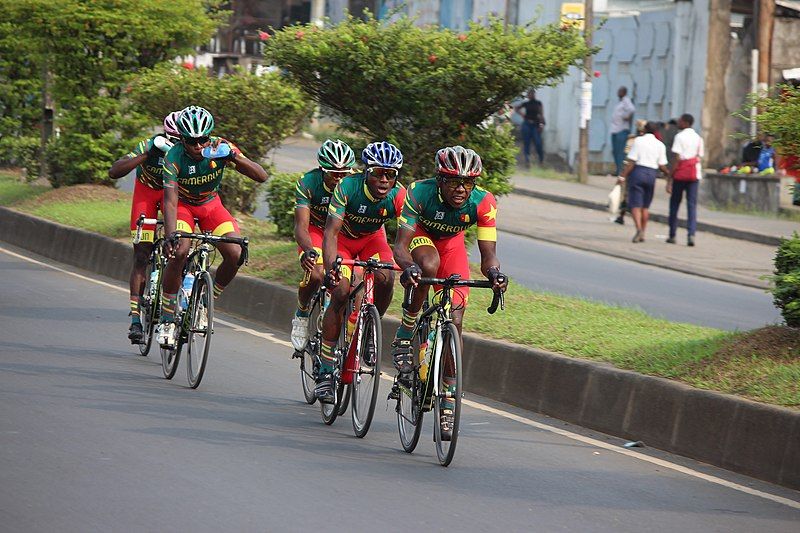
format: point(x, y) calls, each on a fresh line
point(409, 407)
point(445, 450)
point(200, 321)
point(367, 382)
point(308, 360)
point(344, 397)
point(149, 312)
point(169, 360)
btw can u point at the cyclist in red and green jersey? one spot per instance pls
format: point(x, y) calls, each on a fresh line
point(191, 182)
point(430, 239)
point(312, 197)
point(147, 158)
point(360, 206)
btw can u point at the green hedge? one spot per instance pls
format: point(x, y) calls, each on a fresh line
point(786, 289)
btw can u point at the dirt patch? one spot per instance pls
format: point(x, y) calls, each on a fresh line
point(79, 193)
point(772, 342)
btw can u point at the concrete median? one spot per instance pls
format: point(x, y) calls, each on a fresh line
point(755, 439)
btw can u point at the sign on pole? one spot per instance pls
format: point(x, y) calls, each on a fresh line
point(573, 14)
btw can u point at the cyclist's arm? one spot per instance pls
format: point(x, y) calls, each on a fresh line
point(249, 168)
point(130, 161)
point(489, 259)
point(169, 207)
point(330, 241)
point(302, 237)
point(401, 243)
point(487, 233)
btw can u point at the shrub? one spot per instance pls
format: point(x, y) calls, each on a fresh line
point(425, 88)
point(255, 112)
point(21, 152)
point(786, 281)
point(280, 198)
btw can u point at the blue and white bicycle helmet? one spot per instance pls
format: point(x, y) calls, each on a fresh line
point(382, 154)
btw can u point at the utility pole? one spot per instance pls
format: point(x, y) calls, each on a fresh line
point(766, 23)
point(586, 92)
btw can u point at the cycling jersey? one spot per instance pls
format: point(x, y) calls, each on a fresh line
point(425, 206)
point(361, 212)
point(150, 172)
point(312, 193)
point(197, 181)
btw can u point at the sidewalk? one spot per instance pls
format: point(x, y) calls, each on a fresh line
point(573, 214)
point(594, 195)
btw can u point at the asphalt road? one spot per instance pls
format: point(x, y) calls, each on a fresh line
point(660, 292)
point(92, 438)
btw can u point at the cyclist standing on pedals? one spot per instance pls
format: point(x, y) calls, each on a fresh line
point(191, 182)
point(148, 159)
point(360, 206)
point(312, 198)
point(430, 242)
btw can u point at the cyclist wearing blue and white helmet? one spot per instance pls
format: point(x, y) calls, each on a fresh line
point(360, 206)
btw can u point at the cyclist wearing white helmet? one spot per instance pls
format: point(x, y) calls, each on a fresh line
point(430, 241)
point(313, 193)
point(147, 159)
point(191, 182)
point(360, 206)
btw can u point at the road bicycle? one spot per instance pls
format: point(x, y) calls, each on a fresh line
point(358, 357)
point(196, 321)
point(439, 359)
point(150, 300)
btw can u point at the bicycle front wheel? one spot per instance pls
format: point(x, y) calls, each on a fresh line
point(200, 323)
point(169, 360)
point(448, 397)
point(368, 374)
point(409, 406)
point(308, 369)
point(150, 303)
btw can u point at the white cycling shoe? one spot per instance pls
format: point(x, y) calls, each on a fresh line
point(299, 332)
point(165, 334)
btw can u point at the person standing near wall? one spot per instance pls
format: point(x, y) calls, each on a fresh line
point(532, 126)
point(621, 127)
point(645, 158)
point(684, 175)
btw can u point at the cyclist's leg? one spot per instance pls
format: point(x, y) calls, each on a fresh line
point(311, 280)
point(171, 280)
point(375, 246)
point(454, 260)
point(213, 217)
point(145, 200)
point(424, 253)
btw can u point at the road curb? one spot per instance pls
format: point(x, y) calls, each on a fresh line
point(723, 231)
point(759, 440)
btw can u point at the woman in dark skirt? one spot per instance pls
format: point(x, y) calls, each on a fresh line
point(646, 157)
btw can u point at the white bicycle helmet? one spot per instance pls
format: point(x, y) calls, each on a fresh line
point(458, 161)
point(171, 124)
point(195, 121)
point(335, 155)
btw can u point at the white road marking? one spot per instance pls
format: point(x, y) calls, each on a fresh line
point(499, 412)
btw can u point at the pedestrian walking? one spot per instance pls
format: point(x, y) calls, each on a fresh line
point(684, 175)
point(646, 157)
point(532, 126)
point(621, 127)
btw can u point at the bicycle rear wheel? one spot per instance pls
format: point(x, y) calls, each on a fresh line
point(409, 406)
point(200, 322)
point(330, 411)
point(450, 357)
point(308, 369)
point(150, 306)
point(367, 380)
point(169, 359)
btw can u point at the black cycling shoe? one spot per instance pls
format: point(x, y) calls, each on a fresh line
point(401, 355)
point(324, 388)
point(136, 333)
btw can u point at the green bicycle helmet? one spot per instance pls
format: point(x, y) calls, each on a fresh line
point(335, 155)
point(195, 121)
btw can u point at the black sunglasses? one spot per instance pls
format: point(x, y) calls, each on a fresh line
point(454, 182)
point(195, 140)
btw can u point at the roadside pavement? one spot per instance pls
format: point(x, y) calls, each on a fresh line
point(568, 213)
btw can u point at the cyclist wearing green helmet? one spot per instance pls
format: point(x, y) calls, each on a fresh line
point(191, 182)
point(312, 196)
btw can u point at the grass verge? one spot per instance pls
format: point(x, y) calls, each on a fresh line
point(762, 364)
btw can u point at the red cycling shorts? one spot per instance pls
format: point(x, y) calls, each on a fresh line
point(316, 241)
point(452, 260)
point(211, 216)
point(369, 246)
point(145, 200)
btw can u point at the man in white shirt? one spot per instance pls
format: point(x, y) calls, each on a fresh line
point(621, 127)
point(646, 156)
point(684, 176)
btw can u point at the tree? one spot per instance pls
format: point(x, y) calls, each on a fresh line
point(255, 112)
point(90, 49)
point(778, 115)
point(425, 88)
